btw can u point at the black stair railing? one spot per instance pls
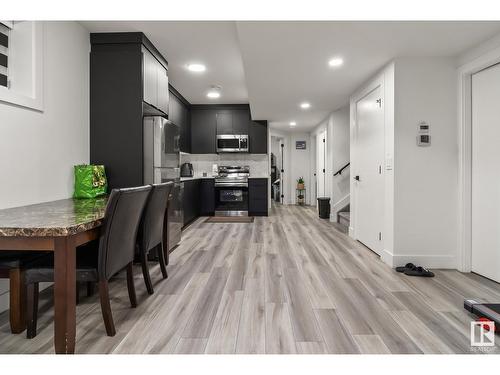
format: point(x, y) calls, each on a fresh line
point(341, 169)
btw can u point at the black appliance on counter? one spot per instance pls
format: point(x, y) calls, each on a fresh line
point(187, 170)
point(231, 191)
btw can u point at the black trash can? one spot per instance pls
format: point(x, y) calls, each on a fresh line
point(324, 207)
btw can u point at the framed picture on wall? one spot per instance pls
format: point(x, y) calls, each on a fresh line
point(300, 145)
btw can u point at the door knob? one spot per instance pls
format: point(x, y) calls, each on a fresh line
point(356, 178)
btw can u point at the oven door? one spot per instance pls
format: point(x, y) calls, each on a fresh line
point(231, 201)
point(228, 143)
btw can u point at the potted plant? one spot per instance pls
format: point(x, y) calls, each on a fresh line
point(300, 183)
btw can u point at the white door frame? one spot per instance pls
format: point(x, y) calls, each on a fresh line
point(285, 177)
point(374, 84)
point(465, 73)
point(321, 151)
point(313, 174)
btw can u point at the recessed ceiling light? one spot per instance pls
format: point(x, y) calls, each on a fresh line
point(337, 61)
point(197, 68)
point(293, 123)
point(214, 92)
point(305, 105)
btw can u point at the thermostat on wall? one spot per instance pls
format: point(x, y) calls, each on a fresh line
point(423, 134)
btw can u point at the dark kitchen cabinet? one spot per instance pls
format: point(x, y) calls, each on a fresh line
point(224, 121)
point(191, 200)
point(241, 121)
point(179, 114)
point(128, 80)
point(257, 196)
point(233, 121)
point(203, 130)
point(207, 197)
point(186, 130)
point(258, 137)
point(208, 121)
point(155, 81)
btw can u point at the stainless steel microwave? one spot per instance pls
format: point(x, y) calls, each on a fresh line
point(232, 143)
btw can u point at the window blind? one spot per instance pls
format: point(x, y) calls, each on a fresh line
point(4, 54)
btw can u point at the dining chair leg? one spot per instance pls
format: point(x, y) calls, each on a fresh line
point(32, 309)
point(161, 258)
point(90, 288)
point(17, 301)
point(145, 273)
point(131, 285)
point(107, 315)
point(77, 293)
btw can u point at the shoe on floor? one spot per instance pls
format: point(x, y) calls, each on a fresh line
point(405, 267)
point(419, 271)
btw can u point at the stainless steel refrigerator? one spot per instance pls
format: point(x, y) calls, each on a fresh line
point(161, 164)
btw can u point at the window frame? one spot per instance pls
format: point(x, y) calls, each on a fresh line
point(35, 99)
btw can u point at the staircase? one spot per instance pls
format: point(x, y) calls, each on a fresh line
point(344, 218)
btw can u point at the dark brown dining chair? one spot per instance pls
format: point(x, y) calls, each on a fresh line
point(98, 261)
point(12, 265)
point(150, 235)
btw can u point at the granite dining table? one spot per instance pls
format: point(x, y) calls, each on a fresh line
point(59, 226)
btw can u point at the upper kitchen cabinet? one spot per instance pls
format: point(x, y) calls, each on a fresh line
point(203, 129)
point(128, 80)
point(241, 121)
point(224, 120)
point(208, 121)
point(233, 119)
point(155, 79)
point(179, 113)
point(258, 137)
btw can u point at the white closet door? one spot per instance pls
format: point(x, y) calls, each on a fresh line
point(321, 164)
point(486, 173)
point(369, 189)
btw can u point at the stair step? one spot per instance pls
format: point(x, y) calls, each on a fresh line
point(345, 215)
point(344, 218)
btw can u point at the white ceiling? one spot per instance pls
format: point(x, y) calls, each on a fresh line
point(276, 65)
point(214, 44)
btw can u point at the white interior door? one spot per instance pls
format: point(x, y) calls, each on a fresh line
point(369, 189)
point(486, 173)
point(321, 164)
point(282, 169)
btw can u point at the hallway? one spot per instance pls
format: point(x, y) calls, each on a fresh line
point(287, 283)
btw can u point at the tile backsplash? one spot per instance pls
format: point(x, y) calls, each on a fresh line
point(259, 163)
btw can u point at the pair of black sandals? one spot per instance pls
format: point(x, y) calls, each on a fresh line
point(412, 270)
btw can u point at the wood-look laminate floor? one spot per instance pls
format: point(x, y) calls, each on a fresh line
point(288, 283)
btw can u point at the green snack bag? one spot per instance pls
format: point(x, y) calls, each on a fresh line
point(90, 181)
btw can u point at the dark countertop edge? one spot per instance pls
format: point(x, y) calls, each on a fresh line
point(6, 232)
point(211, 178)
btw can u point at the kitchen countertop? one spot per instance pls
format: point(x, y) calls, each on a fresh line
point(208, 177)
point(57, 218)
point(196, 178)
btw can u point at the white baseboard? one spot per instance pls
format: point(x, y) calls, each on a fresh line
point(351, 232)
point(426, 261)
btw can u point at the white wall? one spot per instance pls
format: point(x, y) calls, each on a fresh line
point(337, 127)
point(426, 178)
point(421, 190)
point(300, 165)
point(339, 143)
point(38, 149)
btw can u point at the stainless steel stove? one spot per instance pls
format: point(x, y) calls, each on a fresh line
point(231, 191)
